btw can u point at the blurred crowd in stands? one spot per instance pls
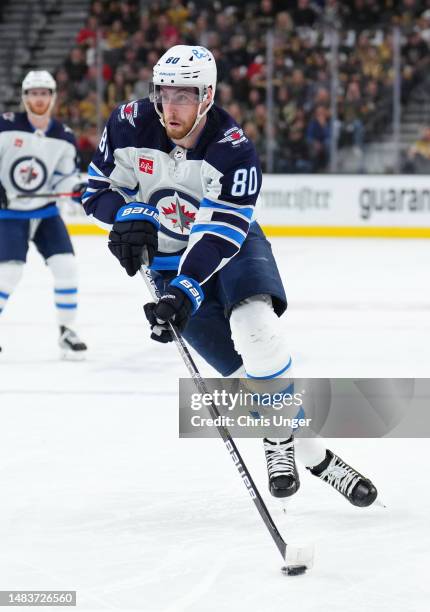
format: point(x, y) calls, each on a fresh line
point(132, 39)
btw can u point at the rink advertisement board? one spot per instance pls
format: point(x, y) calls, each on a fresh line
point(346, 205)
point(389, 206)
point(306, 407)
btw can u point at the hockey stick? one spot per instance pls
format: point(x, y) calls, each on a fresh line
point(298, 559)
point(72, 194)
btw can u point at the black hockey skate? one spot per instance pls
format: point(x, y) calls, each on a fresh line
point(71, 345)
point(357, 489)
point(281, 466)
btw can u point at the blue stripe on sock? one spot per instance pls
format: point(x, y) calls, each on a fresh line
point(65, 291)
point(284, 369)
point(66, 306)
point(4, 296)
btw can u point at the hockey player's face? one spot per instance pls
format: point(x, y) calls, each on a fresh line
point(180, 105)
point(38, 100)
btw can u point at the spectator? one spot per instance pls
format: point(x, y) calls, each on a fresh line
point(141, 86)
point(318, 137)
point(418, 155)
point(351, 115)
point(89, 32)
point(87, 144)
point(116, 36)
point(129, 17)
point(88, 108)
point(296, 153)
point(304, 15)
point(118, 90)
point(177, 13)
point(168, 33)
point(75, 65)
point(265, 14)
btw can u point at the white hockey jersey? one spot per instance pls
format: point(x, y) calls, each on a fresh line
point(205, 196)
point(33, 161)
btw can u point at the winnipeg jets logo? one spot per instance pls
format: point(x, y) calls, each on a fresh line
point(234, 135)
point(28, 174)
point(178, 215)
point(129, 112)
point(178, 211)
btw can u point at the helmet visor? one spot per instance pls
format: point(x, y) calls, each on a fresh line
point(170, 94)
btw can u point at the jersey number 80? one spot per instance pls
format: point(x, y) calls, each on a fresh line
point(244, 183)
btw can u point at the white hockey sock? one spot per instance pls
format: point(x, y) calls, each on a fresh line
point(63, 268)
point(10, 275)
point(310, 451)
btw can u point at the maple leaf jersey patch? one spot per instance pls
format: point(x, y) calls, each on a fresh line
point(234, 135)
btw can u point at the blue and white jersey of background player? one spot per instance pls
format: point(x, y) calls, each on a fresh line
point(205, 196)
point(33, 161)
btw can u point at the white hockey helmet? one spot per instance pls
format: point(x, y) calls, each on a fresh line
point(39, 79)
point(185, 66)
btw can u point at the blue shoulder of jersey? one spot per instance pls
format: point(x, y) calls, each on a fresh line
point(135, 124)
point(61, 131)
point(19, 122)
point(14, 122)
point(229, 147)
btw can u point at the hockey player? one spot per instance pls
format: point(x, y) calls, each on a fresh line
point(37, 155)
point(177, 179)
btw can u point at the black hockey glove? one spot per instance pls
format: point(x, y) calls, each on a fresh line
point(4, 202)
point(80, 189)
point(180, 301)
point(136, 227)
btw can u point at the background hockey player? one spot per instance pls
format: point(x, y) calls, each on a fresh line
point(177, 179)
point(38, 155)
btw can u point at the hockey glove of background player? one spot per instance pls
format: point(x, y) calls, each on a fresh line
point(179, 302)
point(3, 197)
point(80, 189)
point(136, 227)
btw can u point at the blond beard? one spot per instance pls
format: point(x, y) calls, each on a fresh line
point(178, 133)
point(35, 111)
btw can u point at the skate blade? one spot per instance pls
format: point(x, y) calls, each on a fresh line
point(67, 355)
point(297, 556)
point(379, 503)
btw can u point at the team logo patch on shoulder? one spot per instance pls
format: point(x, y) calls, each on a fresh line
point(8, 116)
point(146, 165)
point(234, 135)
point(129, 112)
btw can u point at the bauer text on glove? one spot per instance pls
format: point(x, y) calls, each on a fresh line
point(134, 233)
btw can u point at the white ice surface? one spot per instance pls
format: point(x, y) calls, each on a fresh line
point(99, 495)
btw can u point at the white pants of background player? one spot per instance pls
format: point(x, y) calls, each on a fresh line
point(258, 338)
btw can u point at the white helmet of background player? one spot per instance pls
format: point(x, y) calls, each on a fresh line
point(39, 79)
point(185, 66)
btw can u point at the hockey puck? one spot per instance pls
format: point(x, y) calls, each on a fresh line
point(293, 570)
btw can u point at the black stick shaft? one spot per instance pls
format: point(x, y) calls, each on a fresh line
point(223, 431)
